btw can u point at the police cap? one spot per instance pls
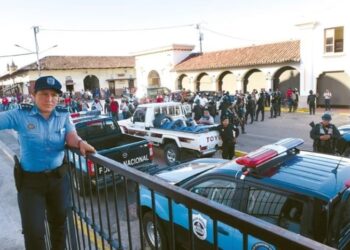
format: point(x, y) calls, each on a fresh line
point(48, 82)
point(326, 117)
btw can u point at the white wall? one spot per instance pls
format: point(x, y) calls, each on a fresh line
point(76, 75)
point(313, 59)
point(161, 61)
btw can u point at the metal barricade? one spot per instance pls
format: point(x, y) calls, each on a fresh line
point(107, 215)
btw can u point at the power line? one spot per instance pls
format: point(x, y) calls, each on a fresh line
point(226, 35)
point(14, 55)
point(118, 30)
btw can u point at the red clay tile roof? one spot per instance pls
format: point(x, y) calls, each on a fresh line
point(241, 57)
point(82, 62)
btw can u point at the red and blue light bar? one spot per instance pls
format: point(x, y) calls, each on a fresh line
point(268, 152)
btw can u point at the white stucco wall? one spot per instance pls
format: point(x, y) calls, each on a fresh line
point(77, 76)
point(163, 61)
point(313, 59)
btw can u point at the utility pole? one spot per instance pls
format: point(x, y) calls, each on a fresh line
point(198, 27)
point(36, 31)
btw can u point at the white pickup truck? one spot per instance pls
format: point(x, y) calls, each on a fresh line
point(166, 125)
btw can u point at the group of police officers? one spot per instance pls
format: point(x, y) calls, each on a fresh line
point(236, 113)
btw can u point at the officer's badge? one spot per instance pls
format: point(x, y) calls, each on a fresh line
point(50, 81)
point(31, 126)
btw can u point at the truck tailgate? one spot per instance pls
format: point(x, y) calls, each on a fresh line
point(131, 154)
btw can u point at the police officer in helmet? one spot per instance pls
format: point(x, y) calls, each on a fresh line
point(325, 135)
point(41, 175)
point(228, 133)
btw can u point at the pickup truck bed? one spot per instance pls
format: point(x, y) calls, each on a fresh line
point(112, 141)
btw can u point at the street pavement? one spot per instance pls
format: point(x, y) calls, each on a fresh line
point(10, 231)
point(258, 134)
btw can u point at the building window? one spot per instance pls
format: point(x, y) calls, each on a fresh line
point(333, 40)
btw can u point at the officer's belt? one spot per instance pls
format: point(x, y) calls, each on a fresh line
point(56, 172)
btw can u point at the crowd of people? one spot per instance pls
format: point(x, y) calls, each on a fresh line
point(232, 111)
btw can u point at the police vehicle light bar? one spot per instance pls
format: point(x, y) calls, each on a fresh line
point(266, 153)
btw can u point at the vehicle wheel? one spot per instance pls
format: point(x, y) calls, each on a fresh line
point(171, 152)
point(347, 152)
point(148, 230)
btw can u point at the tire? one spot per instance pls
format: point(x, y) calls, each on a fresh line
point(171, 153)
point(148, 230)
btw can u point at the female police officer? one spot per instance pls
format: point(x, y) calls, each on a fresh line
point(43, 130)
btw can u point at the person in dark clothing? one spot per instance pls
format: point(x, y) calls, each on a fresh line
point(225, 104)
point(325, 135)
point(228, 136)
point(296, 100)
point(197, 111)
point(260, 107)
point(240, 111)
point(250, 109)
point(268, 98)
point(212, 108)
point(311, 101)
point(273, 109)
point(107, 107)
point(278, 98)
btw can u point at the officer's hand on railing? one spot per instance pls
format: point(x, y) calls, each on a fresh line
point(85, 147)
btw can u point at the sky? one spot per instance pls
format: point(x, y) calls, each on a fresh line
point(115, 27)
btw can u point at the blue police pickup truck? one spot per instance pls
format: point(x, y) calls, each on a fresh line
point(303, 192)
point(105, 135)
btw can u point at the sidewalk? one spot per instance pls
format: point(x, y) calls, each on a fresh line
point(11, 237)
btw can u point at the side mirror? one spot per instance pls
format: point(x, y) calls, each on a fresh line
point(132, 119)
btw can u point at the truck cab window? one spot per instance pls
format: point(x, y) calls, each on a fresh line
point(139, 115)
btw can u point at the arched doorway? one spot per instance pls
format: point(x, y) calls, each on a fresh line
point(91, 83)
point(184, 82)
point(285, 78)
point(253, 79)
point(338, 83)
point(226, 82)
point(153, 79)
point(203, 82)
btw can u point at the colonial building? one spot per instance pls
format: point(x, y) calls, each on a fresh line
point(318, 60)
point(75, 72)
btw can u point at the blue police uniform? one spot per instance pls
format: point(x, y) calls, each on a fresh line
point(44, 184)
point(42, 141)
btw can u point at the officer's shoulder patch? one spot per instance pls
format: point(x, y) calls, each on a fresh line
point(62, 109)
point(26, 106)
